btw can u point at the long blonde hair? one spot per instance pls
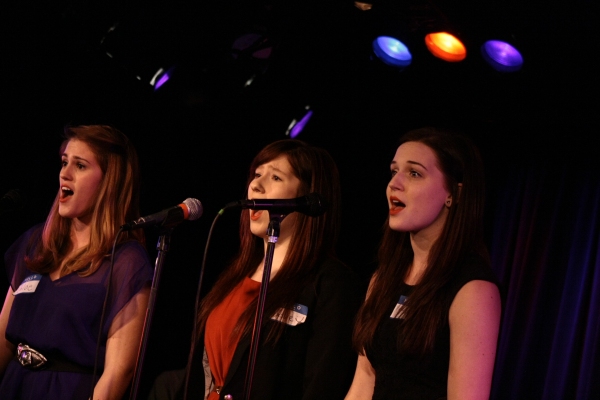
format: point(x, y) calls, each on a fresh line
point(116, 203)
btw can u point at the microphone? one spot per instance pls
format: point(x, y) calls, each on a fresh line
point(312, 205)
point(12, 200)
point(190, 209)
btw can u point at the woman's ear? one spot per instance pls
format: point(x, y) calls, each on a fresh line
point(449, 198)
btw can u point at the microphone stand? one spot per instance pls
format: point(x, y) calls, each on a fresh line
point(272, 236)
point(164, 240)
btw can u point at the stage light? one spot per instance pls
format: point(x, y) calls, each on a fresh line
point(392, 51)
point(296, 126)
point(502, 56)
point(161, 77)
point(445, 46)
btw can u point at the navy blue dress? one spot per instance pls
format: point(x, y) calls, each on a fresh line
point(61, 318)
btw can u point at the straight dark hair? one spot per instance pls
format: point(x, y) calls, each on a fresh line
point(313, 238)
point(460, 162)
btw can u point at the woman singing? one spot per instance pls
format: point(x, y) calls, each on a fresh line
point(305, 350)
point(429, 326)
point(59, 274)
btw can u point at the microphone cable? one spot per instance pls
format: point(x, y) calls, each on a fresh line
point(197, 307)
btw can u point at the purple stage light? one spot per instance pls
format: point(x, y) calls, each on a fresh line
point(163, 79)
point(502, 56)
point(299, 126)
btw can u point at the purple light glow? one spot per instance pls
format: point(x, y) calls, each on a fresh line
point(502, 56)
point(163, 79)
point(300, 125)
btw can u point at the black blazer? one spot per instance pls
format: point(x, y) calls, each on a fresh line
point(312, 360)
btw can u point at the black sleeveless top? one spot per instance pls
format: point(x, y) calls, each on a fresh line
point(399, 375)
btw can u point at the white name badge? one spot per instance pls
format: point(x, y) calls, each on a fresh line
point(398, 312)
point(296, 317)
point(29, 285)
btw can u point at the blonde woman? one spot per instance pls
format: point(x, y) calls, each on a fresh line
point(59, 274)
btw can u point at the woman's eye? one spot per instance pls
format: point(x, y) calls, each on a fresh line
point(80, 166)
point(256, 175)
point(414, 173)
point(63, 163)
point(276, 178)
point(393, 172)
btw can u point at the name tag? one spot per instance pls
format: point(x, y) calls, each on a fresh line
point(398, 312)
point(29, 285)
point(297, 316)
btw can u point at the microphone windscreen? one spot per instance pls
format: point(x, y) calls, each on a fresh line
point(194, 207)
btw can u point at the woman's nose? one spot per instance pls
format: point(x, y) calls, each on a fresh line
point(256, 186)
point(65, 172)
point(396, 183)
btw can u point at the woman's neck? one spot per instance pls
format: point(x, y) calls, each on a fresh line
point(421, 244)
point(79, 237)
point(80, 234)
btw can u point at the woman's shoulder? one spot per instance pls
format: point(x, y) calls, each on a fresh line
point(477, 267)
point(132, 256)
point(33, 233)
point(23, 242)
point(14, 258)
point(132, 248)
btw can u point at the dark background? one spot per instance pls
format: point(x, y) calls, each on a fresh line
point(197, 134)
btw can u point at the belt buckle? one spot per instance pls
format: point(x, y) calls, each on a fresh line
point(30, 358)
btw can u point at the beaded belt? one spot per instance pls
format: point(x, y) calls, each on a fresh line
point(32, 359)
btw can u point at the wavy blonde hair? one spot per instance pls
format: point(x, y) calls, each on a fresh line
point(116, 203)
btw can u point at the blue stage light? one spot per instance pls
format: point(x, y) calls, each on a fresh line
point(392, 51)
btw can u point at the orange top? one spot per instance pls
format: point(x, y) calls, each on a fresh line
point(218, 342)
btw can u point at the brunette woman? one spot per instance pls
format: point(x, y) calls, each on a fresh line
point(305, 351)
point(59, 274)
point(429, 326)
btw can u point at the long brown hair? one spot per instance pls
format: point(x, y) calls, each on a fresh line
point(460, 162)
point(116, 203)
point(313, 237)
